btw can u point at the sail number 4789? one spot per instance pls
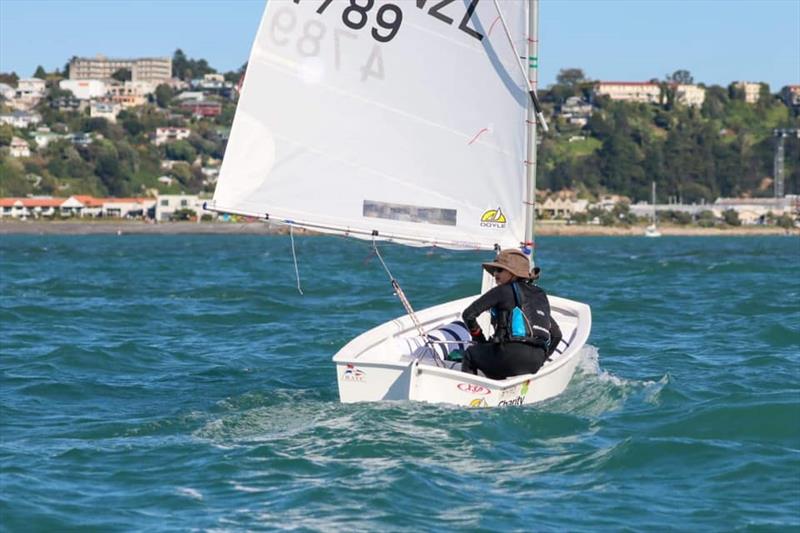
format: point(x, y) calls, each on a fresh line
point(389, 17)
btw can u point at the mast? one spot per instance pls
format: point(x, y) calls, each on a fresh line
point(530, 167)
point(654, 203)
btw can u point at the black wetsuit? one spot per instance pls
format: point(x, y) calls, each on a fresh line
point(502, 357)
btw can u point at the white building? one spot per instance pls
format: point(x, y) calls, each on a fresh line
point(19, 148)
point(127, 207)
point(21, 119)
point(752, 90)
point(629, 91)
point(576, 111)
point(152, 69)
point(560, 207)
point(168, 204)
point(43, 136)
point(165, 135)
point(29, 207)
point(82, 205)
point(755, 210)
point(691, 95)
point(84, 89)
point(106, 110)
point(31, 88)
point(7, 91)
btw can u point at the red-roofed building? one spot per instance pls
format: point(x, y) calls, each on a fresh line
point(25, 207)
point(82, 205)
point(11, 207)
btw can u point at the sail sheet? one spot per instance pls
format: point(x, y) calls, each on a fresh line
point(401, 120)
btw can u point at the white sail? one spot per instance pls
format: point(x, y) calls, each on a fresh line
point(399, 119)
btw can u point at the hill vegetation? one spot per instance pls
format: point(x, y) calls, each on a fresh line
point(724, 148)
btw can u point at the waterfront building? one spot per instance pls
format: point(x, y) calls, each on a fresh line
point(81, 205)
point(561, 206)
point(168, 204)
point(629, 91)
point(127, 207)
point(150, 69)
point(29, 207)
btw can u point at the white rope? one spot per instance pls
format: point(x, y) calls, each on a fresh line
point(294, 257)
point(409, 310)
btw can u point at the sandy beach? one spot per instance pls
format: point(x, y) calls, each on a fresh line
point(106, 227)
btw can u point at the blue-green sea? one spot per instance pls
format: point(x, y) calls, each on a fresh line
point(182, 383)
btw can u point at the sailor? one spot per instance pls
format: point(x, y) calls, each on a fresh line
point(511, 351)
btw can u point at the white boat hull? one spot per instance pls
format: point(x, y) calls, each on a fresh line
point(378, 365)
point(652, 231)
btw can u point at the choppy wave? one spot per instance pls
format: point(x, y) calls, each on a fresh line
point(182, 383)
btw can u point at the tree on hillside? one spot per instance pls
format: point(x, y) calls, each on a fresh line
point(164, 95)
point(123, 75)
point(9, 78)
point(680, 76)
point(40, 73)
point(188, 69)
point(571, 77)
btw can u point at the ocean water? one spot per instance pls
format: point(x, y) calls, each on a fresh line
point(182, 383)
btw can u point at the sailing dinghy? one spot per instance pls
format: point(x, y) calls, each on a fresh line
point(404, 122)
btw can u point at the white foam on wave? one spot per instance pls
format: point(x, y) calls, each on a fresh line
point(589, 364)
point(191, 493)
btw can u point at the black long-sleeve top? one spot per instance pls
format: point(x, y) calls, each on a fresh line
point(501, 298)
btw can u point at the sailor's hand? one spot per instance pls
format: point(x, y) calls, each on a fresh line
point(477, 336)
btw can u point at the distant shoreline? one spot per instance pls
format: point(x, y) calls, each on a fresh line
point(106, 227)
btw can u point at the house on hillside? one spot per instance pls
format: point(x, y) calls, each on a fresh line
point(106, 110)
point(19, 148)
point(165, 135)
point(43, 136)
point(576, 111)
point(84, 89)
point(20, 119)
point(629, 91)
point(752, 90)
point(691, 95)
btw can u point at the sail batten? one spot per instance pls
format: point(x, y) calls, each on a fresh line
point(407, 126)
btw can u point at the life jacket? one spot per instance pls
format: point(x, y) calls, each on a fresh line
point(529, 321)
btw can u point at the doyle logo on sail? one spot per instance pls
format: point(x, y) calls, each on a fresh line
point(493, 218)
point(352, 373)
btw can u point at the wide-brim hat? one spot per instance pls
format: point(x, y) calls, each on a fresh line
point(515, 262)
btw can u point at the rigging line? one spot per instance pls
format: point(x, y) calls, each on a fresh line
point(407, 306)
point(294, 257)
point(534, 97)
